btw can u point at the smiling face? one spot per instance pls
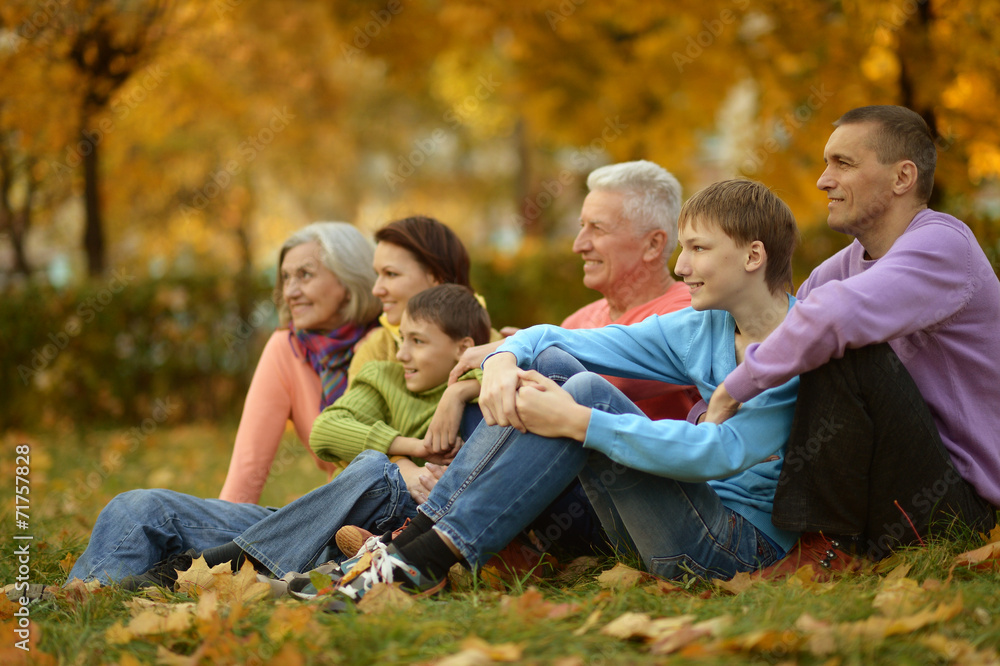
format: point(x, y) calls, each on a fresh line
point(610, 249)
point(712, 266)
point(859, 189)
point(399, 276)
point(427, 353)
point(312, 292)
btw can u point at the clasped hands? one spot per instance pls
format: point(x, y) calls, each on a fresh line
point(529, 401)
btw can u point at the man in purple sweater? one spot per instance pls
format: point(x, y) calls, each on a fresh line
point(897, 428)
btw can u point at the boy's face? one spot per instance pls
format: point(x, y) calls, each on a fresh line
point(426, 353)
point(712, 266)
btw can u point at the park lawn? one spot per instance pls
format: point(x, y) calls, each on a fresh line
point(920, 608)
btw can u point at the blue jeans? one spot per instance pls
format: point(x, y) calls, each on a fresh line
point(139, 528)
point(502, 479)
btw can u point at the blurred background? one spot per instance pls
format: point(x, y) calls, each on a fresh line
point(154, 155)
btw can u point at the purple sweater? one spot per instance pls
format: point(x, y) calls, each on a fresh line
point(935, 298)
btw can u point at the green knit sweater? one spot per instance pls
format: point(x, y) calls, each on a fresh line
point(375, 410)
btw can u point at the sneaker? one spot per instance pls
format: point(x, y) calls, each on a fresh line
point(385, 564)
point(300, 585)
point(163, 574)
point(351, 538)
point(823, 555)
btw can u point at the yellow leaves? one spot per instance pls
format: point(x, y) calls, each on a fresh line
point(987, 557)
point(738, 584)
point(533, 606)
point(664, 635)
point(384, 598)
point(623, 577)
point(475, 651)
point(241, 588)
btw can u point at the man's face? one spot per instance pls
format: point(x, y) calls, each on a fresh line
point(859, 189)
point(610, 249)
point(426, 353)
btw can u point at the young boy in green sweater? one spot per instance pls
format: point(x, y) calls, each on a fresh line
point(386, 411)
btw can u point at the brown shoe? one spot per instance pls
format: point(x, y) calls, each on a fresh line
point(351, 538)
point(814, 550)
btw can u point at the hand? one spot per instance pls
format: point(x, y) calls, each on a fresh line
point(508, 331)
point(410, 447)
point(548, 410)
point(471, 359)
point(446, 457)
point(430, 477)
point(411, 476)
point(442, 433)
point(721, 406)
point(499, 391)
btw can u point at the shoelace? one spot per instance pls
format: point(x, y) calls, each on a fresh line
point(381, 566)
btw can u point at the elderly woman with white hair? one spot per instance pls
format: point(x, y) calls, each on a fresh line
point(323, 292)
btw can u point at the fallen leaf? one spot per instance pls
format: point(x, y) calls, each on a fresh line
point(66, 563)
point(588, 624)
point(199, 576)
point(671, 640)
point(958, 651)
point(994, 535)
point(898, 596)
point(287, 621)
point(384, 598)
point(660, 586)
point(818, 634)
point(623, 577)
point(803, 578)
point(627, 625)
point(533, 605)
point(987, 557)
point(738, 584)
point(243, 587)
point(779, 642)
point(499, 652)
point(576, 569)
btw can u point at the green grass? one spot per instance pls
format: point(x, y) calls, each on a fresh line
point(74, 474)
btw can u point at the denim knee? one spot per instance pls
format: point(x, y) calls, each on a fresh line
point(557, 364)
point(367, 462)
point(134, 506)
point(585, 387)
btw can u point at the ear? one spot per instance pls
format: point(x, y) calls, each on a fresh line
point(756, 257)
point(656, 243)
point(465, 343)
point(905, 177)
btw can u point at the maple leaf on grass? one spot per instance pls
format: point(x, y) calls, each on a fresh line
point(623, 577)
point(738, 584)
point(533, 605)
point(200, 576)
point(987, 557)
point(384, 598)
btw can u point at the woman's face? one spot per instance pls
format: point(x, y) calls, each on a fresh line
point(399, 276)
point(312, 292)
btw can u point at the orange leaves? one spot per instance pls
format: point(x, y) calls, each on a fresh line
point(623, 577)
point(987, 557)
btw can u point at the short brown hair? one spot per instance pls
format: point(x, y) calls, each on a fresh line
point(899, 134)
point(746, 211)
point(431, 243)
point(454, 309)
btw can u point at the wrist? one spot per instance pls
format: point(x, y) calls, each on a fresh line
point(578, 423)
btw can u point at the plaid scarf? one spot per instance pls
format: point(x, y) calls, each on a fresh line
point(329, 353)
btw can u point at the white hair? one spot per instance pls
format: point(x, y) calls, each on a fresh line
point(651, 196)
point(346, 252)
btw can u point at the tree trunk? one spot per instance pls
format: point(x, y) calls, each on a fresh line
point(93, 234)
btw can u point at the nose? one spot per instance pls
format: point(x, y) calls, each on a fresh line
point(404, 352)
point(291, 287)
point(378, 289)
point(825, 181)
point(582, 241)
point(683, 265)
